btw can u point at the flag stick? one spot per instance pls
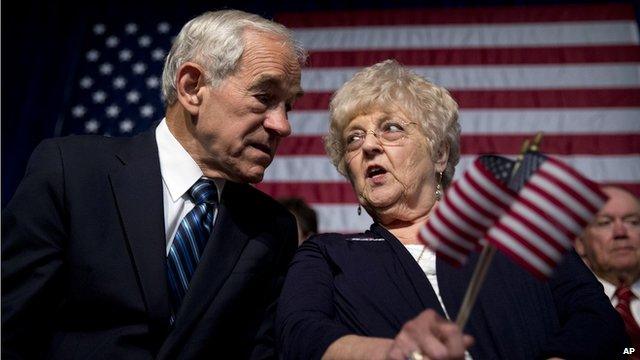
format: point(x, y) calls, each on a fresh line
point(486, 256)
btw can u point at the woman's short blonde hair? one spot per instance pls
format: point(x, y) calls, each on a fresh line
point(388, 86)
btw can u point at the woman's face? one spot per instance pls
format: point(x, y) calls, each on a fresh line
point(390, 166)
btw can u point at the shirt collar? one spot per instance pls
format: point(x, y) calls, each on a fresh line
point(610, 289)
point(179, 170)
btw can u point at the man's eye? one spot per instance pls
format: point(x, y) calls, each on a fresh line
point(264, 98)
point(603, 222)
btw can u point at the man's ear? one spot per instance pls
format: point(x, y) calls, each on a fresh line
point(191, 79)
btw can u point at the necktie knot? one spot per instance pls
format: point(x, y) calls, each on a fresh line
point(204, 191)
point(624, 294)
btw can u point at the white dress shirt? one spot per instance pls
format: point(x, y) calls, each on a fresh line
point(179, 172)
point(610, 291)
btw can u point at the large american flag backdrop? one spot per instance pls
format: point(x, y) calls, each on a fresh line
point(572, 72)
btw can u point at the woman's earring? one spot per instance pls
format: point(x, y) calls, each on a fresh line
point(359, 210)
point(439, 187)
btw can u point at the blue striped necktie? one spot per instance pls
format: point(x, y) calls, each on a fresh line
point(189, 241)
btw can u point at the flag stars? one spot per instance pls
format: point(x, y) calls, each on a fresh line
point(152, 82)
point(146, 111)
point(112, 41)
point(78, 111)
point(133, 97)
point(125, 55)
point(112, 111)
point(106, 69)
point(126, 126)
point(131, 28)
point(93, 55)
point(91, 126)
point(144, 41)
point(86, 82)
point(164, 27)
point(99, 29)
point(157, 54)
point(119, 82)
point(139, 68)
point(99, 97)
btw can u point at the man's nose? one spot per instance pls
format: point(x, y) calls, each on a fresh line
point(277, 121)
point(619, 229)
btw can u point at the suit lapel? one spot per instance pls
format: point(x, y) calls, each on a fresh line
point(137, 187)
point(220, 256)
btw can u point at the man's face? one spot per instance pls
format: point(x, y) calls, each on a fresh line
point(611, 243)
point(243, 119)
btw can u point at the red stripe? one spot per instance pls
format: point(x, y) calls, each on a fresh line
point(478, 15)
point(584, 181)
point(512, 99)
point(460, 215)
point(518, 260)
point(479, 56)
point(342, 192)
point(489, 176)
point(567, 189)
point(538, 231)
point(325, 193)
point(587, 144)
point(461, 234)
point(544, 215)
point(522, 241)
point(557, 204)
point(492, 202)
point(448, 242)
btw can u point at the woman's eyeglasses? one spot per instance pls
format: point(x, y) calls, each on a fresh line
point(388, 133)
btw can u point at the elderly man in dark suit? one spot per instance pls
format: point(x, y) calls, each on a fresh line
point(156, 246)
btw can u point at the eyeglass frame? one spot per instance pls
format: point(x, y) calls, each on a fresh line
point(378, 134)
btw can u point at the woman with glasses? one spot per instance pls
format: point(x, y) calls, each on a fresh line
point(381, 294)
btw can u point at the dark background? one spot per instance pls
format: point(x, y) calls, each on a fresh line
point(41, 46)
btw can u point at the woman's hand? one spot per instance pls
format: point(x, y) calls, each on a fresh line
point(429, 336)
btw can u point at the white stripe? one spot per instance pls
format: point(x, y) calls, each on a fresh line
point(531, 237)
point(478, 198)
point(480, 177)
point(586, 193)
point(469, 36)
point(437, 223)
point(551, 210)
point(542, 223)
point(562, 196)
point(522, 251)
point(454, 197)
point(506, 121)
point(428, 236)
point(341, 218)
point(450, 215)
point(496, 77)
point(614, 168)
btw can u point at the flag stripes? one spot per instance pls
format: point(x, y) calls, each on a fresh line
point(563, 214)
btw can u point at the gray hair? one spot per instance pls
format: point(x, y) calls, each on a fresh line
point(389, 85)
point(214, 40)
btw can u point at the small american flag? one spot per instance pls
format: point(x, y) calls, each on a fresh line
point(471, 206)
point(553, 207)
point(532, 216)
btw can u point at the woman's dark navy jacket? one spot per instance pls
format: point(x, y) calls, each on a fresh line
point(368, 284)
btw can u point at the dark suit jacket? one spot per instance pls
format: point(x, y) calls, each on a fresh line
point(369, 284)
point(83, 261)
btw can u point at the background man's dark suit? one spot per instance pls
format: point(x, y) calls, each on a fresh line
point(90, 212)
